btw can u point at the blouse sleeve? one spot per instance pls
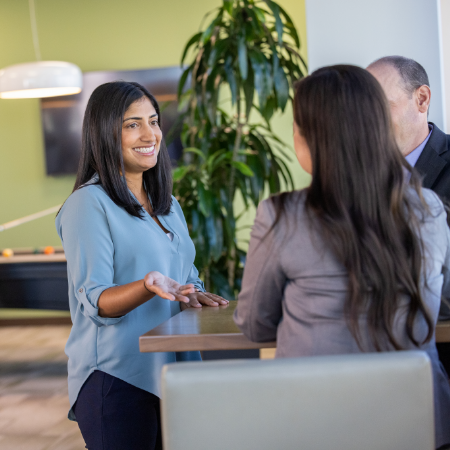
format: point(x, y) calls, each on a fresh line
point(444, 313)
point(259, 308)
point(84, 232)
point(193, 273)
point(438, 233)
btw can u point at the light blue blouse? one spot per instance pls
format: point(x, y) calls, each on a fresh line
point(105, 247)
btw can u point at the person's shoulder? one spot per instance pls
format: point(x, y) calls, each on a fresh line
point(292, 204)
point(175, 207)
point(432, 211)
point(84, 199)
point(175, 202)
point(433, 201)
point(439, 142)
point(431, 197)
point(290, 201)
point(88, 193)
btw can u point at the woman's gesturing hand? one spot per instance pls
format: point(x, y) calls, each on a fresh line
point(197, 299)
point(167, 288)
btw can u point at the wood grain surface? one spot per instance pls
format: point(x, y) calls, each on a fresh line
point(207, 328)
point(443, 332)
point(213, 328)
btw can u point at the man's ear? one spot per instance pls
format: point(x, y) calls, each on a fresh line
point(423, 98)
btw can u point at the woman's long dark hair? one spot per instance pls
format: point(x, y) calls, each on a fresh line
point(101, 150)
point(360, 200)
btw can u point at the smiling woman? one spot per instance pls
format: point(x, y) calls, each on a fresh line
point(141, 137)
point(105, 131)
point(130, 265)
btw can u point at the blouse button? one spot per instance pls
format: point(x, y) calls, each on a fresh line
point(80, 290)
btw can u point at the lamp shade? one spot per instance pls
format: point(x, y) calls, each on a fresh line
point(40, 79)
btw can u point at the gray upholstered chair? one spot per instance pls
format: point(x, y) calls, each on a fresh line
point(350, 402)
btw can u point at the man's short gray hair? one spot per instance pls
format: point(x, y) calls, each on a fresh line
point(411, 72)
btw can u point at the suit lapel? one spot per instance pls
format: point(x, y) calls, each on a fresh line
point(430, 164)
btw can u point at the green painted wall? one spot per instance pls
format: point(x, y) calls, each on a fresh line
point(96, 35)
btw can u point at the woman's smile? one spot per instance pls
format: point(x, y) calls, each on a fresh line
point(146, 151)
point(141, 137)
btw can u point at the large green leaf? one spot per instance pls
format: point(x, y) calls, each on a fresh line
point(269, 108)
point(205, 199)
point(290, 25)
point(231, 79)
point(180, 172)
point(282, 88)
point(215, 160)
point(255, 20)
point(206, 35)
point(215, 235)
point(249, 91)
point(183, 80)
point(212, 87)
point(258, 69)
point(242, 56)
point(228, 6)
point(260, 14)
point(278, 22)
point(196, 151)
point(243, 168)
point(194, 39)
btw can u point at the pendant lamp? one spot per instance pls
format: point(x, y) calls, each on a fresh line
point(41, 78)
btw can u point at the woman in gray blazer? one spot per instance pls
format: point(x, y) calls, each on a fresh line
point(357, 261)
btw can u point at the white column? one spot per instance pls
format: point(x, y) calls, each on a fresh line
point(445, 27)
point(360, 31)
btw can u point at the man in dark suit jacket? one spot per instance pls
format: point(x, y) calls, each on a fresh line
point(434, 163)
point(407, 88)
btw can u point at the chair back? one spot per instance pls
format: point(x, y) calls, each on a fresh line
point(375, 401)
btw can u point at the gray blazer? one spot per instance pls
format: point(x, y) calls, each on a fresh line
point(294, 291)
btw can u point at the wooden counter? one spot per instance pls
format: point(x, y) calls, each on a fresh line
point(212, 328)
point(443, 331)
point(207, 328)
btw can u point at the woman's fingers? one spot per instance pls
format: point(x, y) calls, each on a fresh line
point(181, 298)
point(186, 289)
point(167, 293)
point(169, 289)
point(193, 300)
point(205, 299)
point(217, 298)
point(162, 293)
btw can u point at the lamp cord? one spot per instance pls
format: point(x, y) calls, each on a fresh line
point(34, 30)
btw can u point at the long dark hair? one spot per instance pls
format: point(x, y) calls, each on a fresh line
point(101, 150)
point(360, 201)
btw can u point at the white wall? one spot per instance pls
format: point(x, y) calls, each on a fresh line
point(360, 31)
point(445, 26)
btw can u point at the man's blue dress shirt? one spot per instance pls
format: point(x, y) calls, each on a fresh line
point(105, 247)
point(414, 155)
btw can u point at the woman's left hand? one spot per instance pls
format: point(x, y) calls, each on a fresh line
point(197, 299)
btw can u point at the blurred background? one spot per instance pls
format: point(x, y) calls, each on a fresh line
point(107, 39)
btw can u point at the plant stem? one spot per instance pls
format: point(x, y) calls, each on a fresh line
point(207, 280)
point(193, 96)
point(237, 145)
point(231, 267)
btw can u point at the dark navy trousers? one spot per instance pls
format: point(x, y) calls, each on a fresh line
point(114, 415)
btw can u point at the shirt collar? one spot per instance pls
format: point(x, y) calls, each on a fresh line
point(414, 155)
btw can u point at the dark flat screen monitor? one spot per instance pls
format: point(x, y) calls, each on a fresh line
point(62, 117)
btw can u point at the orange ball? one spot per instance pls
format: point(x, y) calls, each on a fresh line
point(7, 253)
point(49, 250)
